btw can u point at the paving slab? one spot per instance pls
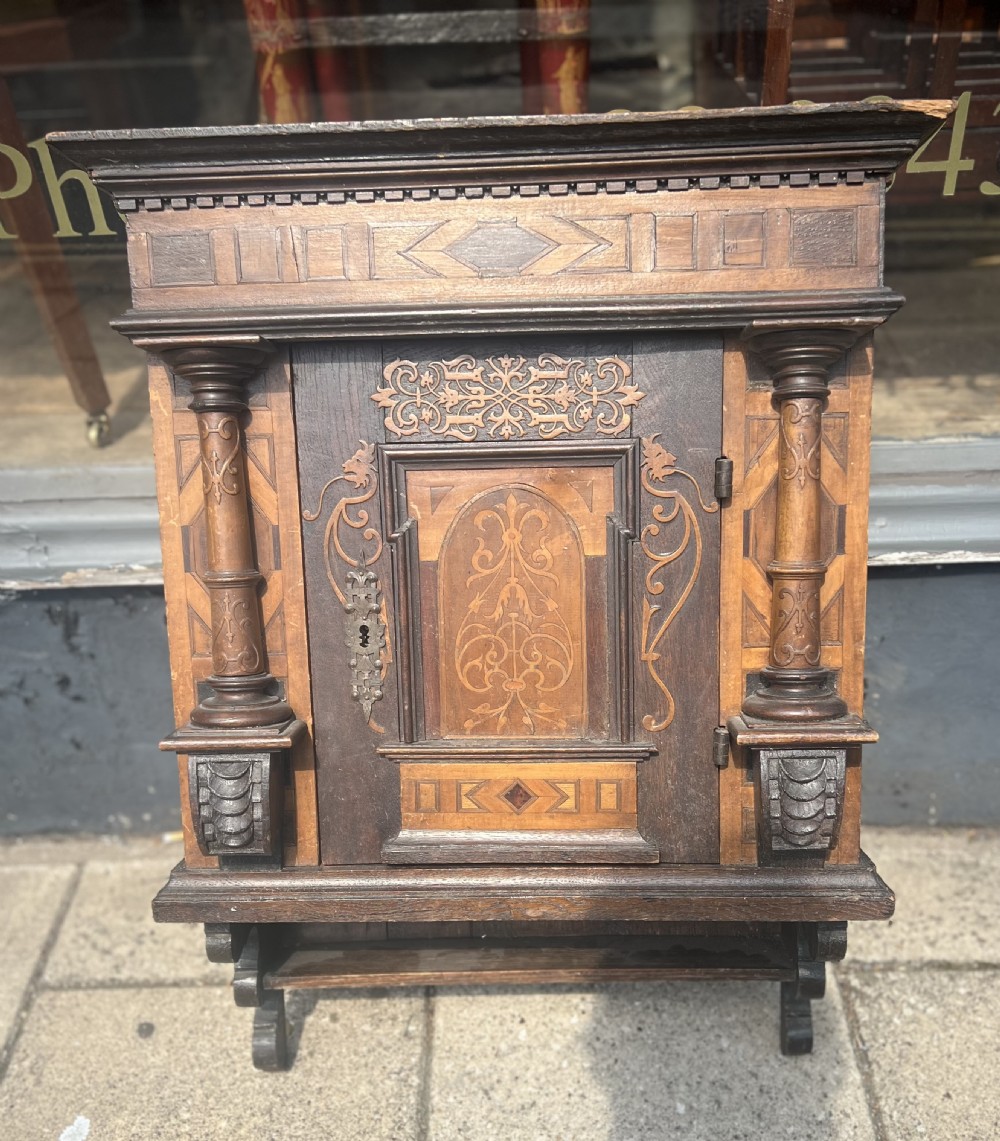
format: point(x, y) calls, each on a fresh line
point(947, 883)
point(109, 934)
point(55, 849)
point(674, 1060)
point(174, 1063)
point(930, 1037)
point(32, 900)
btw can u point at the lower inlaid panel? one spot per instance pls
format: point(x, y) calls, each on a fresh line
point(519, 813)
point(518, 797)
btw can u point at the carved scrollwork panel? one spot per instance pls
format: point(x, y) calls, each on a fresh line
point(508, 397)
point(352, 544)
point(516, 652)
point(801, 432)
point(672, 539)
point(234, 644)
point(220, 450)
point(796, 640)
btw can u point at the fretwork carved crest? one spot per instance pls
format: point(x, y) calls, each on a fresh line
point(508, 397)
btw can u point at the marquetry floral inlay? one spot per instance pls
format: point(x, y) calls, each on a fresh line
point(234, 644)
point(514, 645)
point(801, 431)
point(796, 641)
point(672, 514)
point(507, 397)
point(351, 545)
point(220, 449)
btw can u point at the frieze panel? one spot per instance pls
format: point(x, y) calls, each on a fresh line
point(701, 235)
point(507, 397)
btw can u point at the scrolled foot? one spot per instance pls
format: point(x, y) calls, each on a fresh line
point(796, 1021)
point(270, 1033)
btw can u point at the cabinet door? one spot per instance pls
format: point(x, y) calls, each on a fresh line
point(512, 576)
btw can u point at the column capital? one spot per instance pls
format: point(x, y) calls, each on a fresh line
point(217, 373)
point(799, 357)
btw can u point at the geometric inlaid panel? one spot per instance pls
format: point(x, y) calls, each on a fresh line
point(712, 238)
point(526, 796)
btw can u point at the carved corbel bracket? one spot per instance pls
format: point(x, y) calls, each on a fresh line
point(801, 796)
point(800, 774)
point(236, 787)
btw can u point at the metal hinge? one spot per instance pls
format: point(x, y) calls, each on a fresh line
point(720, 747)
point(723, 478)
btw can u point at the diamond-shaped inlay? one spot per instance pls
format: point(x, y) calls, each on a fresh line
point(499, 249)
point(518, 797)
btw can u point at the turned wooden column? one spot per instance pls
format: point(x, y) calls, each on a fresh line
point(243, 694)
point(795, 686)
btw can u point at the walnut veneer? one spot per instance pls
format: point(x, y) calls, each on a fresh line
point(513, 478)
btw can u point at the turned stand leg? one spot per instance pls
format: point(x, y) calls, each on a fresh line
point(795, 685)
point(251, 949)
point(816, 944)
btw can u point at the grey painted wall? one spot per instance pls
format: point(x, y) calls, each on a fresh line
point(85, 697)
point(933, 692)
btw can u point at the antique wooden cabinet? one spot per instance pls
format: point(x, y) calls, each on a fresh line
point(513, 479)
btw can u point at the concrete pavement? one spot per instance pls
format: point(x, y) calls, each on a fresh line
point(118, 1028)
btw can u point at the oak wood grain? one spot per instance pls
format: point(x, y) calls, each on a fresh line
point(664, 892)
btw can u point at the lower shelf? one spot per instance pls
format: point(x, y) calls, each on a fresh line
point(526, 962)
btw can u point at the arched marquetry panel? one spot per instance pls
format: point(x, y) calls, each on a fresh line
point(513, 657)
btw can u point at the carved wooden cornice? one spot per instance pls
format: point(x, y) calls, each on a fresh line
point(153, 329)
point(503, 152)
point(589, 187)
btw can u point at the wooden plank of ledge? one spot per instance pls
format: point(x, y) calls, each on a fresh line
point(653, 892)
point(441, 966)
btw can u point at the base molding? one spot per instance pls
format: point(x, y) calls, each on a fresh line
point(657, 892)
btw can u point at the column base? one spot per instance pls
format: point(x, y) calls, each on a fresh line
point(241, 702)
point(796, 696)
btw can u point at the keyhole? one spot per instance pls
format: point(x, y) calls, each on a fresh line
point(363, 631)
